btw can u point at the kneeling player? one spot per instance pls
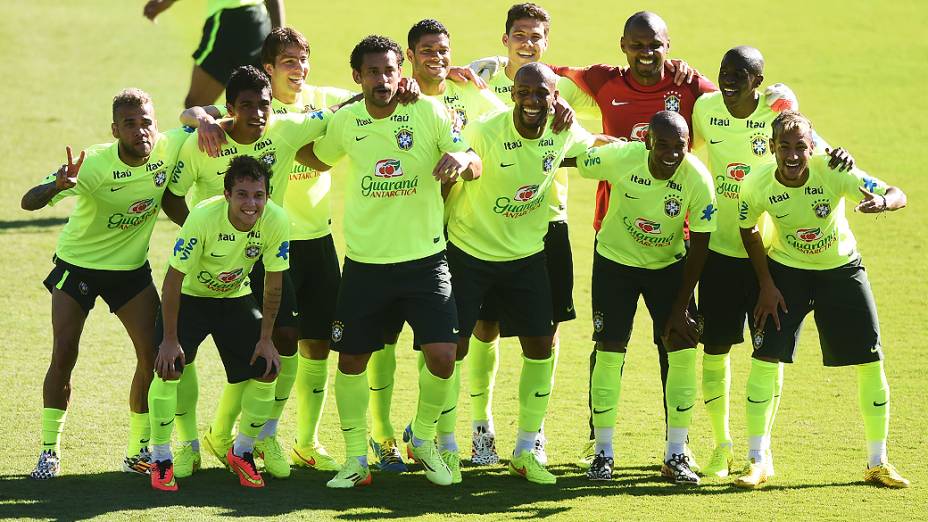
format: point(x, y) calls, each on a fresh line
point(219, 243)
point(640, 252)
point(813, 266)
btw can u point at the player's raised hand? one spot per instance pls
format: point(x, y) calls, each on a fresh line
point(464, 75)
point(450, 166)
point(841, 159)
point(210, 137)
point(66, 177)
point(871, 204)
point(265, 348)
point(781, 98)
point(682, 72)
point(769, 302)
point(408, 91)
point(564, 115)
point(169, 351)
point(155, 7)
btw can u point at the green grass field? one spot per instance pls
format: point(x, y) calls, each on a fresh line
point(857, 67)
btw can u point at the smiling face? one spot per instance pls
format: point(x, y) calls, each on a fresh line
point(526, 41)
point(668, 140)
point(135, 128)
point(431, 58)
point(247, 199)
point(645, 48)
point(379, 77)
point(740, 74)
point(533, 96)
point(250, 113)
point(288, 72)
point(792, 148)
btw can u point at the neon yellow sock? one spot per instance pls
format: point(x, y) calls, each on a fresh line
point(449, 414)
point(162, 405)
point(433, 394)
point(351, 398)
point(777, 395)
point(311, 393)
point(761, 385)
point(716, 385)
point(257, 404)
point(681, 387)
point(52, 426)
point(139, 433)
point(482, 364)
point(188, 391)
point(380, 373)
point(534, 392)
point(873, 392)
point(230, 405)
point(288, 365)
point(606, 388)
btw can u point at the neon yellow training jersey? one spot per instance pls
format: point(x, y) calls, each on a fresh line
point(644, 224)
point(585, 107)
point(111, 225)
point(284, 135)
point(810, 229)
point(216, 257)
point(214, 6)
point(307, 198)
point(393, 205)
point(501, 215)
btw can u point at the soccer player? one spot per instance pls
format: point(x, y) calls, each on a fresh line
point(496, 234)
point(429, 52)
point(733, 126)
point(395, 261)
point(640, 252)
point(218, 244)
point(274, 139)
point(813, 265)
point(103, 251)
point(232, 37)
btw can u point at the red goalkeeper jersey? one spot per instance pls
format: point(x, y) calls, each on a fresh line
point(628, 106)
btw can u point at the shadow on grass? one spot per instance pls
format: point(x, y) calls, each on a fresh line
point(485, 491)
point(16, 224)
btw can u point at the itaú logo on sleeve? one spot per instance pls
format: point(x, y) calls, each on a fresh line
point(388, 168)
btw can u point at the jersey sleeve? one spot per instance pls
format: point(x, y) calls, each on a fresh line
point(750, 206)
point(487, 103)
point(188, 247)
point(449, 137)
point(602, 162)
point(185, 170)
point(277, 254)
point(580, 141)
point(298, 129)
point(699, 132)
point(581, 102)
point(855, 179)
point(334, 95)
point(330, 148)
point(703, 207)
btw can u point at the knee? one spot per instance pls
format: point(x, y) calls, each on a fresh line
point(440, 362)
point(314, 349)
point(462, 350)
point(352, 364)
point(611, 346)
point(64, 355)
point(486, 331)
point(286, 340)
point(717, 349)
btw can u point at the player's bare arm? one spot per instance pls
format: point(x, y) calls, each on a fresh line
point(273, 283)
point(680, 325)
point(155, 7)
point(894, 199)
point(175, 207)
point(564, 115)
point(770, 298)
point(65, 178)
point(275, 10)
point(307, 156)
point(210, 135)
point(170, 350)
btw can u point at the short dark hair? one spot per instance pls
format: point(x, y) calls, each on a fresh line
point(748, 57)
point(422, 28)
point(246, 167)
point(527, 10)
point(130, 97)
point(279, 39)
point(245, 78)
point(374, 44)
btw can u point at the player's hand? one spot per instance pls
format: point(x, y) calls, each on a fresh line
point(841, 159)
point(769, 302)
point(168, 353)
point(781, 98)
point(871, 204)
point(487, 67)
point(682, 72)
point(66, 177)
point(407, 91)
point(210, 137)
point(563, 115)
point(464, 75)
point(155, 7)
point(265, 348)
point(450, 166)
point(681, 331)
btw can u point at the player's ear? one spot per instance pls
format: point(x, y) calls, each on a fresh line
point(758, 81)
point(506, 40)
point(647, 140)
point(114, 129)
point(269, 68)
point(356, 76)
point(409, 54)
point(770, 146)
point(622, 44)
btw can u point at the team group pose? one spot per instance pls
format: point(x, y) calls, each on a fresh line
point(455, 222)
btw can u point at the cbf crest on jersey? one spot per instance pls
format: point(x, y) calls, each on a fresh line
point(822, 208)
point(269, 159)
point(759, 144)
point(547, 163)
point(672, 207)
point(160, 177)
point(404, 138)
point(672, 101)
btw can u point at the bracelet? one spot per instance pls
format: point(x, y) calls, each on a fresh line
point(885, 206)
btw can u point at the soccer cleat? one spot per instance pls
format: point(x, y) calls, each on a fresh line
point(691, 459)
point(526, 465)
point(452, 459)
point(313, 457)
point(138, 463)
point(49, 466)
point(539, 449)
point(244, 466)
point(218, 446)
point(587, 454)
point(601, 467)
point(755, 476)
point(483, 448)
point(275, 463)
point(352, 474)
point(721, 462)
point(678, 470)
point(387, 456)
point(427, 455)
point(885, 475)
point(768, 458)
point(186, 461)
point(162, 476)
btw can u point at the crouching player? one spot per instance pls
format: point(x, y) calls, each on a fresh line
point(219, 243)
point(813, 266)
